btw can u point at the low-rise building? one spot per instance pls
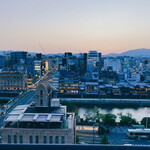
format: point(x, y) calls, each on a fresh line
point(13, 80)
point(45, 122)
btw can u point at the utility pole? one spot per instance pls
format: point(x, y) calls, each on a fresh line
point(93, 132)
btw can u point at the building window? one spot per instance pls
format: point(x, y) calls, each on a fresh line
point(21, 139)
point(31, 139)
point(41, 92)
point(44, 139)
point(36, 139)
point(15, 139)
point(62, 140)
point(50, 139)
point(41, 97)
point(9, 139)
point(56, 139)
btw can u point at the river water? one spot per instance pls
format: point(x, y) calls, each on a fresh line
point(137, 113)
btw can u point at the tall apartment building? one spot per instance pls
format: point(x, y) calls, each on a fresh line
point(93, 60)
point(46, 122)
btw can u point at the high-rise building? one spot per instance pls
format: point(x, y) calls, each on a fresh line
point(2, 64)
point(18, 60)
point(92, 60)
point(37, 68)
point(82, 63)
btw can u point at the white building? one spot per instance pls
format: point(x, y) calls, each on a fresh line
point(114, 63)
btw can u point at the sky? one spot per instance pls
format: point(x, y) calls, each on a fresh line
point(57, 26)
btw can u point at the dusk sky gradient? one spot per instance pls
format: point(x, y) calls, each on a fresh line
point(74, 25)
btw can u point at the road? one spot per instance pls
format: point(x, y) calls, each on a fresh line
point(116, 136)
point(115, 139)
point(26, 99)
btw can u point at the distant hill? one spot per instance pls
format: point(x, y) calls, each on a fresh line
point(132, 53)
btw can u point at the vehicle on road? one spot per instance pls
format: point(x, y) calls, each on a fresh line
point(138, 133)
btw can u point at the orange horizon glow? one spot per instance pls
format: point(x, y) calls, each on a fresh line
point(76, 26)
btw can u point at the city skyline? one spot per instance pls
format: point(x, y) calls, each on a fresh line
point(76, 26)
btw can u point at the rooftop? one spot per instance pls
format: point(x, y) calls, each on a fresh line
point(23, 113)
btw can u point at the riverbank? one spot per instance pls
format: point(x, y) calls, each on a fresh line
point(106, 101)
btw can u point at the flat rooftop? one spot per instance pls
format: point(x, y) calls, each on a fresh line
point(25, 113)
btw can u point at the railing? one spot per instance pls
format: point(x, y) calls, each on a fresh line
point(71, 147)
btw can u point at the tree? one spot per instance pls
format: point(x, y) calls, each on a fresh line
point(109, 119)
point(89, 115)
point(145, 121)
point(93, 115)
point(127, 119)
point(104, 140)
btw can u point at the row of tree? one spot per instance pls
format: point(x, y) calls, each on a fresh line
point(108, 119)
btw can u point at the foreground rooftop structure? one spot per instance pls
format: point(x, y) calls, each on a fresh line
point(43, 122)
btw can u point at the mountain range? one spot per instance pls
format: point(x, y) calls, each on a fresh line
point(132, 53)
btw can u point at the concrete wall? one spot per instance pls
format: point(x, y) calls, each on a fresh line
point(26, 133)
point(136, 102)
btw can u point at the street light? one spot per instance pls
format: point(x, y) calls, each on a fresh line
point(147, 120)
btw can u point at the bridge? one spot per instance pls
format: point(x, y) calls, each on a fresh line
point(24, 98)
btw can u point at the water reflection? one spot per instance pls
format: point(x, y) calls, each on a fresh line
point(137, 113)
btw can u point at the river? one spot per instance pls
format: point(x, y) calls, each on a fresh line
point(138, 113)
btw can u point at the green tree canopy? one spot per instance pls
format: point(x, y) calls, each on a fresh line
point(127, 119)
point(146, 121)
point(109, 119)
